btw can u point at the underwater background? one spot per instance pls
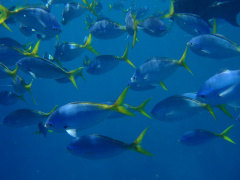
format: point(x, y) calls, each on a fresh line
point(25, 155)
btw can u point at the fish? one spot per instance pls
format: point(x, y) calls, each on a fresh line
point(10, 55)
point(131, 25)
point(209, 9)
point(69, 51)
point(8, 98)
point(191, 23)
point(105, 28)
point(91, 7)
point(39, 67)
point(104, 63)
point(25, 117)
point(71, 11)
point(96, 146)
point(153, 26)
point(222, 88)
point(154, 71)
point(199, 136)
point(175, 108)
point(214, 46)
point(20, 86)
point(76, 116)
point(7, 41)
point(43, 22)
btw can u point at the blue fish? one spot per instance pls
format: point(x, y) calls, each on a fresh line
point(13, 43)
point(42, 21)
point(25, 117)
point(176, 108)
point(107, 29)
point(43, 68)
point(104, 63)
point(213, 46)
point(222, 88)
point(131, 25)
point(68, 51)
point(154, 71)
point(199, 136)
point(96, 146)
point(71, 11)
point(153, 26)
point(80, 115)
point(9, 98)
point(10, 55)
point(191, 23)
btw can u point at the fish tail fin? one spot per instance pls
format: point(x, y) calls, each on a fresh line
point(86, 61)
point(26, 48)
point(88, 45)
point(28, 88)
point(13, 73)
point(48, 114)
point(6, 26)
point(224, 134)
point(125, 57)
point(37, 132)
point(118, 105)
point(135, 29)
point(163, 85)
point(214, 26)
point(5, 14)
point(141, 107)
point(72, 74)
point(182, 61)
point(110, 7)
point(22, 98)
point(80, 73)
point(34, 52)
point(91, 7)
point(171, 11)
point(136, 145)
point(223, 108)
point(209, 108)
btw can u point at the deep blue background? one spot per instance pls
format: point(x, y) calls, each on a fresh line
point(24, 155)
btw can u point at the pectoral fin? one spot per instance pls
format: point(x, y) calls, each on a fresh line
point(72, 132)
point(32, 74)
point(227, 91)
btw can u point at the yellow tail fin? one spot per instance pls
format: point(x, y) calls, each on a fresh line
point(224, 134)
point(141, 107)
point(22, 98)
point(5, 14)
point(28, 88)
point(91, 7)
point(48, 114)
point(12, 73)
point(72, 74)
point(88, 45)
point(182, 62)
point(136, 145)
point(118, 105)
point(125, 57)
point(171, 12)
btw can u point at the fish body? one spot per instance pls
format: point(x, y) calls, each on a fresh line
point(221, 88)
point(106, 29)
point(26, 31)
point(177, 108)
point(213, 46)
point(12, 43)
point(154, 27)
point(9, 98)
point(96, 146)
point(129, 22)
point(71, 11)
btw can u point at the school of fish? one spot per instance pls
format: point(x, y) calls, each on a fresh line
point(198, 18)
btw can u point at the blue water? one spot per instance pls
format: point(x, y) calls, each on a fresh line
point(25, 155)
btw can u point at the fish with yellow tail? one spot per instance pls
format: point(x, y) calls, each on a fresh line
point(96, 146)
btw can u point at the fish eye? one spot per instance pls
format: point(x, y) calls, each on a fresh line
point(50, 124)
point(65, 127)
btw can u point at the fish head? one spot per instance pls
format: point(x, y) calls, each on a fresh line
point(158, 113)
point(207, 95)
point(196, 45)
point(55, 122)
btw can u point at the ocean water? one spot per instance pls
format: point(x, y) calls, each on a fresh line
point(27, 156)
